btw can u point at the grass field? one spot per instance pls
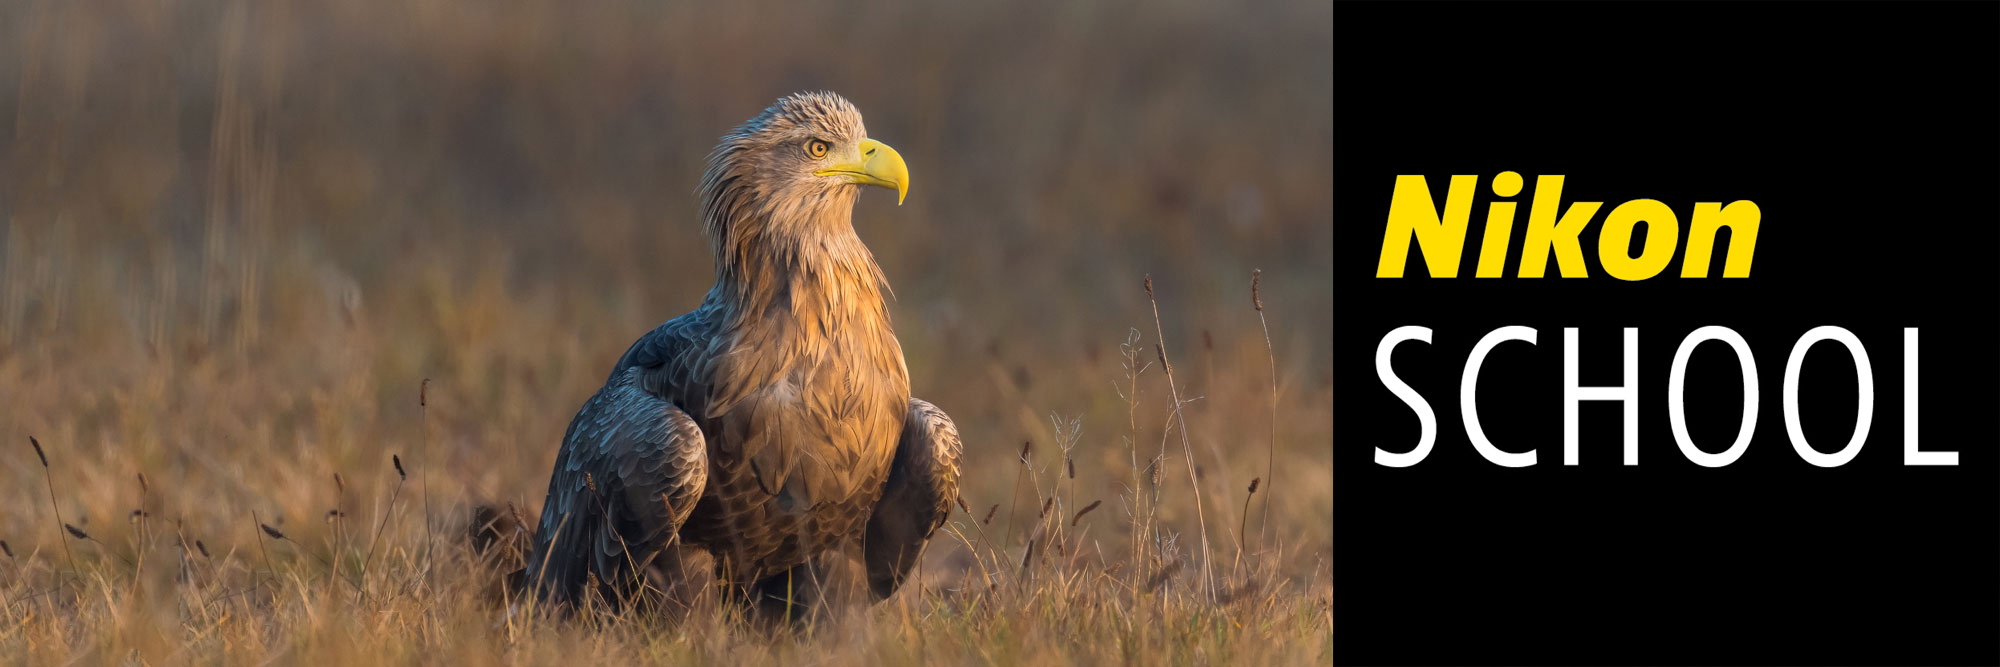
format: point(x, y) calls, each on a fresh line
point(242, 239)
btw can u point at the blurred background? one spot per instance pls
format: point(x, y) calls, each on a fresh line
point(236, 237)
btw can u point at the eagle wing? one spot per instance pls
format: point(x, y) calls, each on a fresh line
point(631, 469)
point(922, 486)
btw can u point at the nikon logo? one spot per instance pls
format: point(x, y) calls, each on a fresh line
point(1441, 236)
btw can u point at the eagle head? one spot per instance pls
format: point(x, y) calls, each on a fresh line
point(808, 148)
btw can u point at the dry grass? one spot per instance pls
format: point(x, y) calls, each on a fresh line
point(239, 238)
point(310, 593)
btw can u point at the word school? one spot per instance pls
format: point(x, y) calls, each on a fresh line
point(1628, 394)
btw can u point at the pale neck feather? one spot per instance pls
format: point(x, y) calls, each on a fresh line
point(791, 256)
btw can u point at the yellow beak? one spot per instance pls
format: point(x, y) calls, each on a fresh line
point(880, 166)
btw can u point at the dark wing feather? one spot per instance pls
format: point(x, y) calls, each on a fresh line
point(648, 462)
point(676, 359)
point(922, 486)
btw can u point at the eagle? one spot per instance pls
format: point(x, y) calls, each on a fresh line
point(773, 426)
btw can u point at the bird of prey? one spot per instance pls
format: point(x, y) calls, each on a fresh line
point(772, 427)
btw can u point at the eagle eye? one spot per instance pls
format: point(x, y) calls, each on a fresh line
point(816, 148)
